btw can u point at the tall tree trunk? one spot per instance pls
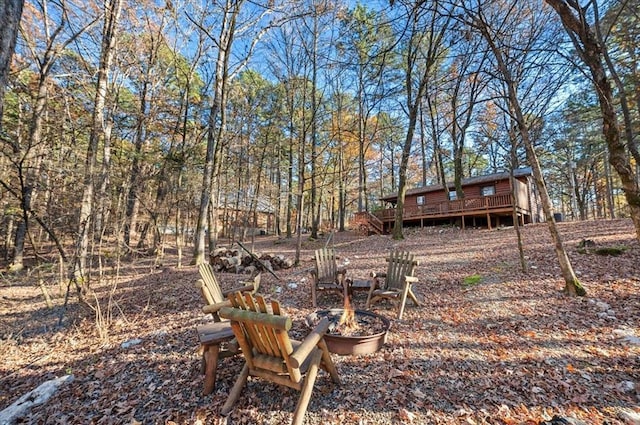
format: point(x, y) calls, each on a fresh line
point(279, 185)
point(437, 150)
point(342, 191)
point(591, 54)
point(315, 203)
point(423, 146)
point(29, 156)
point(290, 156)
point(8, 232)
point(111, 15)
point(423, 49)
point(402, 172)
point(513, 154)
point(254, 206)
point(102, 210)
point(176, 153)
point(458, 143)
point(624, 103)
point(21, 232)
point(10, 14)
point(572, 284)
point(609, 192)
point(135, 178)
point(225, 43)
point(27, 163)
point(362, 169)
point(300, 196)
point(217, 163)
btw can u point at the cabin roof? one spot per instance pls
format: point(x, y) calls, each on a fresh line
point(520, 172)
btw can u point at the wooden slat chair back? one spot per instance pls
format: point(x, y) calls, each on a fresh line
point(210, 287)
point(214, 296)
point(262, 333)
point(396, 283)
point(216, 339)
point(326, 276)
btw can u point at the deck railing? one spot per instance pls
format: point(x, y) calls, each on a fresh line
point(459, 206)
point(370, 220)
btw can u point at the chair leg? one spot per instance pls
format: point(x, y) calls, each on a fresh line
point(234, 394)
point(413, 297)
point(403, 300)
point(307, 389)
point(369, 297)
point(313, 295)
point(210, 357)
point(327, 362)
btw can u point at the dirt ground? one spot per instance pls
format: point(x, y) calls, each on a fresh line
point(490, 344)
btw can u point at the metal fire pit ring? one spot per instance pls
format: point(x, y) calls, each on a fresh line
point(350, 345)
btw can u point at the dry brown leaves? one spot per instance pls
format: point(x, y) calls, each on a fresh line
point(511, 349)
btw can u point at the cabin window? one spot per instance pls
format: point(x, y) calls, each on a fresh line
point(453, 195)
point(488, 190)
point(420, 200)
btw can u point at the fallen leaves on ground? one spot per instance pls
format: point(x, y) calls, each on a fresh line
point(511, 349)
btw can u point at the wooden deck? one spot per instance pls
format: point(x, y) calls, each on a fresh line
point(488, 207)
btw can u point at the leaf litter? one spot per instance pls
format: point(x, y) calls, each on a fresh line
point(510, 349)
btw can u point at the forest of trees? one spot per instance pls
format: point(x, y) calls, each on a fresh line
point(130, 126)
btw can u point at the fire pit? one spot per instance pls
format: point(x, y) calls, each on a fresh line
point(367, 334)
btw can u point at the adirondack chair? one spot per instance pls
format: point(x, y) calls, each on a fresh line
point(216, 339)
point(326, 276)
point(270, 354)
point(396, 283)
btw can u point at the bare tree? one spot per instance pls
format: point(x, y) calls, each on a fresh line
point(576, 22)
point(286, 65)
point(366, 52)
point(109, 33)
point(464, 91)
point(426, 28)
point(233, 24)
point(10, 13)
point(55, 35)
point(511, 64)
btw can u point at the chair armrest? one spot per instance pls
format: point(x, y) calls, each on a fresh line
point(245, 288)
point(303, 350)
point(214, 308)
point(250, 286)
point(411, 279)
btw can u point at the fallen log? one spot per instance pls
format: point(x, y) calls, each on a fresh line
point(35, 397)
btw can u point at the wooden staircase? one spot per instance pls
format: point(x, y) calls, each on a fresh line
point(366, 223)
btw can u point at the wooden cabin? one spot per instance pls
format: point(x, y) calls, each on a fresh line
point(488, 202)
point(241, 219)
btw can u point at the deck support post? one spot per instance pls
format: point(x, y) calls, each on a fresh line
point(489, 221)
